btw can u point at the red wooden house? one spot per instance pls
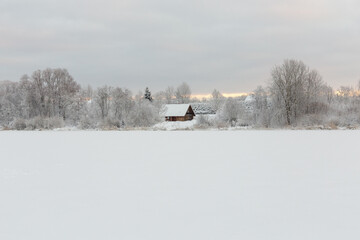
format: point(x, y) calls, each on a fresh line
point(178, 112)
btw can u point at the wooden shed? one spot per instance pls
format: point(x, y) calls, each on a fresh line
point(178, 112)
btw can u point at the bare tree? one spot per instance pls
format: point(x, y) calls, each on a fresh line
point(102, 99)
point(49, 92)
point(183, 93)
point(345, 91)
point(312, 90)
point(31, 100)
point(217, 100)
point(261, 111)
point(169, 94)
point(287, 88)
point(40, 91)
point(11, 100)
point(121, 103)
point(328, 93)
point(65, 92)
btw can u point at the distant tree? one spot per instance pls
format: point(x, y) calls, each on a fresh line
point(159, 97)
point(345, 91)
point(40, 92)
point(183, 93)
point(49, 92)
point(147, 94)
point(31, 98)
point(11, 100)
point(217, 100)
point(294, 89)
point(328, 93)
point(169, 94)
point(261, 110)
point(102, 99)
point(121, 103)
point(139, 96)
point(231, 111)
point(313, 86)
point(88, 92)
point(64, 91)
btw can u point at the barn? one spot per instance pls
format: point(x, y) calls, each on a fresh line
point(178, 112)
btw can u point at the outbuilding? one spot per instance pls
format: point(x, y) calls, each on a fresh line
point(178, 112)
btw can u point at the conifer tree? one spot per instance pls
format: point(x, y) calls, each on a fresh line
point(147, 94)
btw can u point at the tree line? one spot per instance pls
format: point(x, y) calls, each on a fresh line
point(51, 98)
point(295, 96)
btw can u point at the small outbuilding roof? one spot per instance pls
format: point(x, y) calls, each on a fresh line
point(176, 110)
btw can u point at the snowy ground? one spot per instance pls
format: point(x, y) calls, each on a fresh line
point(186, 125)
point(180, 185)
point(179, 125)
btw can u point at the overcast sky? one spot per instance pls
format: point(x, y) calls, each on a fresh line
point(230, 45)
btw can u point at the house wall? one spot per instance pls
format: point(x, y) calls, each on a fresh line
point(188, 116)
point(173, 119)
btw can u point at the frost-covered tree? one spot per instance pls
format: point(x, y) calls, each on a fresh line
point(121, 103)
point(49, 92)
point(328, 93)
point(261, 108)
point(31, 98)
point(80, 109)
point(144, 114)
point(169, 94)
point(62, 89)
point(295, 90)
point(231, 111)
point(217, 100)
point(102, 99)
point(312, 88)
point(287, 88)
point(11, 102)
point(345, 91)
point(183, 93)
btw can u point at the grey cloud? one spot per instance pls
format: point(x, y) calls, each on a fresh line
point(230, 45)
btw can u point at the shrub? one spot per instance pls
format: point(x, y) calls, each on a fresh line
point(45, 123)
point(19, 124)
point(144, 114)
point(87, 123)
point(110, 123)
point(203, 121)
point(54, 122)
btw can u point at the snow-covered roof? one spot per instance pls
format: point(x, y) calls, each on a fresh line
point(176, 110)
point(249, 98)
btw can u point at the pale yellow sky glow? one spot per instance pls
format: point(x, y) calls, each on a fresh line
point(201, 96)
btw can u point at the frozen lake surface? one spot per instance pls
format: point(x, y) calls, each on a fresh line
point(191, 185)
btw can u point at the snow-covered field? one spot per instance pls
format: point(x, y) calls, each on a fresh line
point(179, 125)
point(180, 185)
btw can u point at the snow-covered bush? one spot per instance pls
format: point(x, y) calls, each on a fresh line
point(143, 114)
point(18, 124)
point(110, 123)
point(231, 112)
point(35, 123)
point(87, 123)
point(203, 121)
point(45, 123)
point(54, 122)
